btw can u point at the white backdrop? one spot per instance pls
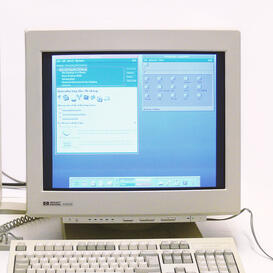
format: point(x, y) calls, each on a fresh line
point(253, 18)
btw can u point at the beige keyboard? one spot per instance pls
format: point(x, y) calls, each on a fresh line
point(202, 255)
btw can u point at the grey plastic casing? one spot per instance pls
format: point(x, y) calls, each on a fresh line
point(132, 203)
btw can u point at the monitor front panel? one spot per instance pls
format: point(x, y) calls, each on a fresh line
point(133, 122)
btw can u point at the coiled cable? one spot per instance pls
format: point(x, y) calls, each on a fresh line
point(7, 227)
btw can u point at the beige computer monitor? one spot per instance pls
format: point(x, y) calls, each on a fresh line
point(119, 206)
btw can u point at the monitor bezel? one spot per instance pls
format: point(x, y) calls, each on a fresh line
point(69, 203)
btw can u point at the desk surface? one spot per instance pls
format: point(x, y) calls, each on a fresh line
point(239, 229)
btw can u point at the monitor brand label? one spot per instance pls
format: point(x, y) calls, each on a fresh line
point(57, 204)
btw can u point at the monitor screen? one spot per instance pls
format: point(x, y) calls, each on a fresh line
point(133, 121)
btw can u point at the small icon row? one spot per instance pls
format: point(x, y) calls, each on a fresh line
point(173, 78)
point(81, 97)
point(173, 96)
point(147, 87)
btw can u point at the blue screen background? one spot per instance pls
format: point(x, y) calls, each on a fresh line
point(171, 143)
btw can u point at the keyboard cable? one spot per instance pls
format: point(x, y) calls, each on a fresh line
point(7, 227)
point(251, 226)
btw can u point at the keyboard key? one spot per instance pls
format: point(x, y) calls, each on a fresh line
point(21, 259)
point(229, 258)
point(177, 259)
point(65, 266)
point(213, 268)
point(39, 247)
point(148, 253)
point(120, 259)
point(129, 270)
point(36, 265)
point(187, 259)
point(142, 246)
point(104, 265)
point(46, 266)
point(16, 270)
point(110, 246)
point(101, 246)
point(60, 270)
point(140, 259)
point(40, 270)
point(69, 270)
point(203, 268)
point(167, 259)
point(96, 254)
point(142, 264)
point(124, 246)
point(174, 245)
point(133, 246)
point(81, 246)
point(56, 266)
point(21, 265)
point(21, 247)
point(153, 262)
point(80, 270)
point(95, 266)
point(72, 260)
point(49, 247)
point(91, 260)
point(125, 254)
point(91, 246)
point(151, 246)
point(58, 247)
point(233, 269)
point(165, 245)
point(183, 245)
point(68, 247)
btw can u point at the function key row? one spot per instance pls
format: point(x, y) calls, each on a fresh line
point(82, 246)
point(137, 246)
point(53, 247)
point(122, 246)
point(95, 246)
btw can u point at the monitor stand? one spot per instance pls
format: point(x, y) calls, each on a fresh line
point(130, 231)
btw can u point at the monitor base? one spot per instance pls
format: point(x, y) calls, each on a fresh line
point(130, 231)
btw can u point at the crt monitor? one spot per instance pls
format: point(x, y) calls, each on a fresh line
point(126, 125)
